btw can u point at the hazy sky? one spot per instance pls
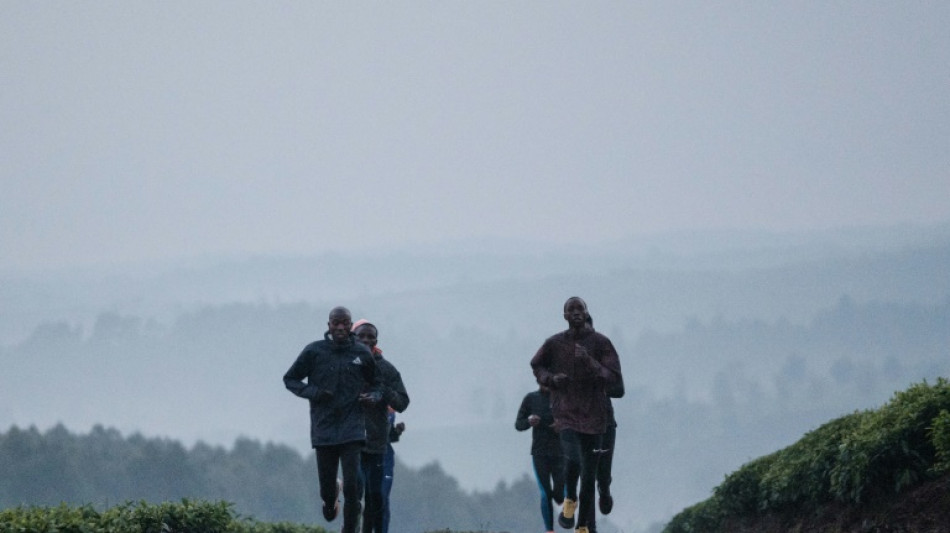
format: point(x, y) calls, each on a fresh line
point(145, 130)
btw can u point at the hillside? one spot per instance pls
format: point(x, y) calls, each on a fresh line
point(923, 509)
point(877, 470)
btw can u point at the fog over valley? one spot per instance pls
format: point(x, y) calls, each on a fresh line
point(728, 351)
point(751, 197)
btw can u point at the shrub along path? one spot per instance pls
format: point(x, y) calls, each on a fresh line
point(924, 509)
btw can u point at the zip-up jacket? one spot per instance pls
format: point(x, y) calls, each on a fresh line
point(335, 374)
point(544, 440)
point(578, 403)
point(377, 415)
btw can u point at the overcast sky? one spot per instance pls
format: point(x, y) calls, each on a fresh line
point(134, 131)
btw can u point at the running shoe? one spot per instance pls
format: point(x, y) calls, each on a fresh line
point(565, 518)
point(330, 513)
point(606, 503)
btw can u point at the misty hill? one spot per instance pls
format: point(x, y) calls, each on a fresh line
point(731, 347)
point(668, 277)
point(886, 469)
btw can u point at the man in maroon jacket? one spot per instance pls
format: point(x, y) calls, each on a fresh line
point(578, 365)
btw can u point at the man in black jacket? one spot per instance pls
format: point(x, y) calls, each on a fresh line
point(377, 427)
point(341, 377)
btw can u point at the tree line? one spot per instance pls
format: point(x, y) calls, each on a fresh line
point(264, 481)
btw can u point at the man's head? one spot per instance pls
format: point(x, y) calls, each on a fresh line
point(339, 324)
point(366, 333)
point(575, 312)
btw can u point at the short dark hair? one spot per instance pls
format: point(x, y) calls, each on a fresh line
point(578, 298)
point(340, 310)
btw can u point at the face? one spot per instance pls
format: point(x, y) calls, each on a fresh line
point(367, 335)
point(575, 312)
point(340, 323)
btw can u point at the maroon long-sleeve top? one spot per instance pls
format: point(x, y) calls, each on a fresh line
point(579, 402)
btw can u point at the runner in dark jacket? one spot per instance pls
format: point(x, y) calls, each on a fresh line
point(394, 396)
point(578, 365)
point(340, 375)
point(535, 413)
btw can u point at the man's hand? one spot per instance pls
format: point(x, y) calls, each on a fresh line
point(584, 357)
point(534, 420)
point(558, 380)
point(370, 398)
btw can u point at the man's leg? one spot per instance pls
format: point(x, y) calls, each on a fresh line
point(328, 460)
point(352, 487)
point(373, 492)
point(606, 500)
point(389, 466)
point(589, 454)
point(542, 473)
point(571, 468)
point(557, 478)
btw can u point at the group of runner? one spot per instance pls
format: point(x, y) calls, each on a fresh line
point(354, 392)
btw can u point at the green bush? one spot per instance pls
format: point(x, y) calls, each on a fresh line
point(850, 459)
point(940, 436)
point(892, 448)
point(801, 474)
point(741, 492)
point(181, 517)
point(704, 517)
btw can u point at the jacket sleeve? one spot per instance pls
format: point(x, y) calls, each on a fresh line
point(372, 376)
point(521, 419)
point(294, 378)
point(540, 364)
point(610, 371)
point(395, 394)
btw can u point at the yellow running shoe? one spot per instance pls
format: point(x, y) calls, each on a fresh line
point(566, 518)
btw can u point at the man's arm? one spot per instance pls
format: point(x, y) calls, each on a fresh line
point(610, 371)
point(294, 377)
point(395, 430)
point(521, 419)
point(540, 365)
point(373, 379)
point(395, 394)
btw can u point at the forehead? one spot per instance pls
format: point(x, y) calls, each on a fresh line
point(366, 329)
point(339, 315)
point(575, 302)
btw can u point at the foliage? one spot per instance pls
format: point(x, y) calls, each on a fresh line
point(103, 468)
point(940, 436)
point(799, 474)
point(186, 516)
point(703, 517)
point(268, 482)
point(851, 459)
point(891, 448)
point(741, 492)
